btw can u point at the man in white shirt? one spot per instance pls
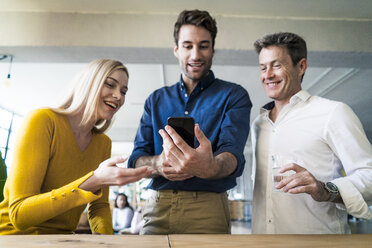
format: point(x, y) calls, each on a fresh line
point(320, 140)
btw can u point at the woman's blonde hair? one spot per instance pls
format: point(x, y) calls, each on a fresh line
point(85, 93)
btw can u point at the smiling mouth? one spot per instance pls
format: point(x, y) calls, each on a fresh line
point(272, 84)
point(111, 105)
point(195, 65)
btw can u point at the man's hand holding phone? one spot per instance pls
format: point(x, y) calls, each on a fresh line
point(182, 161)
point(184, 126)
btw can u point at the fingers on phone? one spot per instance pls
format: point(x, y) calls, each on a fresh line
point(199, 134)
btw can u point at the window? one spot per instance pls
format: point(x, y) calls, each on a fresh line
point(9, 124)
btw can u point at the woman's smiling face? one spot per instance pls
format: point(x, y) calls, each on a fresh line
point(112, 94)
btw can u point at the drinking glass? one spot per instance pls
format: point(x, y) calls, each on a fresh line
point(278, 161)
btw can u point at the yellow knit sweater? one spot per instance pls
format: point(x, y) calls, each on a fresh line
point(41, 192)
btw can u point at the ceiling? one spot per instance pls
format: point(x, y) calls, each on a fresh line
point(336, 9)
point(40, 73)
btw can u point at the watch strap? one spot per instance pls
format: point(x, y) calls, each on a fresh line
point(332, 189)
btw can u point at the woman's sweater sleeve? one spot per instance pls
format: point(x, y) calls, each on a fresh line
point(99, 213)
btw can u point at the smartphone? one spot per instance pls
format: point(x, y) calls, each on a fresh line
point(184, 126)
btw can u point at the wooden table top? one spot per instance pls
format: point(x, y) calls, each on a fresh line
point(268, 241)
point(180, 241)
point(83, 241)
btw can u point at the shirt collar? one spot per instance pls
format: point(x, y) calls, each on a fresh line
point(302, 95)
point(203, 84)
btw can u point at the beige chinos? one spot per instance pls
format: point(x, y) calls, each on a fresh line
point(186, 212)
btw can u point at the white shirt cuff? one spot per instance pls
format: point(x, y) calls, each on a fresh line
point(353, 199)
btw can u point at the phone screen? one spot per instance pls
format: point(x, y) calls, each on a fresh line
point(184, 126)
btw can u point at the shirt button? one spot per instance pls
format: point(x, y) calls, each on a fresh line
point(186, 112)
point(186, 95)
point(63, 194)
point(53, 197)
point(202, 88)
point(269, 221)
point(73, 190)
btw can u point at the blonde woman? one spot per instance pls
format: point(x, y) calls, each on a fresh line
point(58, 166)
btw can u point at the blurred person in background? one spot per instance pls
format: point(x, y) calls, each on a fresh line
point(122, 213)
point(137, 221)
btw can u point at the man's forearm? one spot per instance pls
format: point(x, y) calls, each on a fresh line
point(225, 164)
point(144, 161)
point(152, 161)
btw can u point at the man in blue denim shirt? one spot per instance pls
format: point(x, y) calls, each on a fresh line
point(190, 184)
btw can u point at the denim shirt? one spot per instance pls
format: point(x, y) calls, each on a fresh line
point(222, 110)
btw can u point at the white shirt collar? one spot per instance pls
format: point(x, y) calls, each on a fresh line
point(302, 95)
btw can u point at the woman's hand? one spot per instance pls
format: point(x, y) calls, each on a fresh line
point(109, 174)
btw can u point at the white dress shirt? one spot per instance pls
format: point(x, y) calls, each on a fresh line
point(326, 138)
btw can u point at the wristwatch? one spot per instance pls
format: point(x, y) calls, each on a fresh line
point(332, 189)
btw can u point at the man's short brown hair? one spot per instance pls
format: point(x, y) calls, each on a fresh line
point(198, 18)
point(295, 45)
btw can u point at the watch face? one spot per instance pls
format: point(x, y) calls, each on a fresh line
point(331, 187)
